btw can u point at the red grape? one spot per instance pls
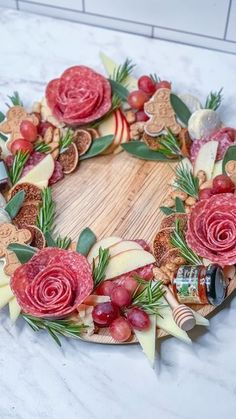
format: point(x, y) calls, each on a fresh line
point(104, 313)
point(105, 288)
point(28, 131)
point(43, 126)
point(141, 116)
point(120, 329)
point(146, 84)
point(205, 193)
point(21, 145)
point(223, 184)
point(139, 319)
point(137, 98)
point(163, 83)
point(120, 296)
point(130, 284)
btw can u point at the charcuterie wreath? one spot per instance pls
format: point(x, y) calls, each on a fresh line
point(112, 289)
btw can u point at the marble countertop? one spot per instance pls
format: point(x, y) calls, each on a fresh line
point(88, 381)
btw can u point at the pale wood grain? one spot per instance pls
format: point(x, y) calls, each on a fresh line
point(116, 195)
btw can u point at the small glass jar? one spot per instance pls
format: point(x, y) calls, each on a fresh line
point(200, 285)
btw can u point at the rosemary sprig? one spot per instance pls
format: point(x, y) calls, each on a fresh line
point(15, 100)
point(55, 328)
point(63, 242)
point(186, 181)
point(42, 147)
point(148, 298)
point(100, 270)
point(214, 99)
point(46, 214)
point(154, 78)
point(169, 144)
point(178, 240)
point(65, 141)
point(124, 70)
point(18, 165)
point(115, 103)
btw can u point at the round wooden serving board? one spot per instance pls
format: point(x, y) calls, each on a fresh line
point(116, 195)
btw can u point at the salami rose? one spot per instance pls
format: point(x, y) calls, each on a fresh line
point(53, 283)
point(212, 229)
point(79, 96)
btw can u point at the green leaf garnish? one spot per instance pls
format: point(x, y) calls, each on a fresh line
point(230, 154)
point(167, 210)
point(148, 298)
point(65, 141)
point(46, 214)
point(85, 242)
point(186, 181)
point(18, 165)
point(98, 146)
point(42, 147)
point(3, 137)
point(179, 205)
point(142, 151)
point(63, 242)
point(181, 110)
point(49, 239)
point(99, 271)
point(15, 203)
point(214, 99)
point(178, 240)
point(118, 89)
point(55, 328)
point(2, 116)
point(15, 100)
point(23, 252)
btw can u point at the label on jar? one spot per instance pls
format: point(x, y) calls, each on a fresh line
point(189, 285)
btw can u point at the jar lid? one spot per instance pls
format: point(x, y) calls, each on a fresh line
point(215, 284)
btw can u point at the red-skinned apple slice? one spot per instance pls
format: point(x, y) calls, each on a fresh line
point(118, 132)
point(125, 134)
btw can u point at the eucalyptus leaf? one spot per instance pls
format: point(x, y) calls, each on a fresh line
point(86, 240)
point(50, 241)
point(3, 137)
point(119, 89)
point(2, 116)
point(229, 155)
point(98, 146)
point(142, 151)
point(179, 205)
point(15, 203)
point(167, 210)
point(23, 252)
point(181, 110)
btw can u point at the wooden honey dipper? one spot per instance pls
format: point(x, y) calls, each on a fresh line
point(182, 315)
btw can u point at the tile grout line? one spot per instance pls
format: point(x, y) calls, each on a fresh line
point(17, 5)
point(123, 20)
point(227, 19)
point(83, 5)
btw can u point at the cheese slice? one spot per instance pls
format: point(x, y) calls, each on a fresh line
point(41, 173)
point(147, 340)
point(206, 158)
point(218, 169)
point(6, 295)
point(167, 323)
point(200, 320)
point(14, 309)
point(110, 66)
point(4, 278)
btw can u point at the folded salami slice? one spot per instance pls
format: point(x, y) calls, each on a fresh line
point(53, 283)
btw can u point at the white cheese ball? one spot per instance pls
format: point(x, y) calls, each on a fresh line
point(202, 123)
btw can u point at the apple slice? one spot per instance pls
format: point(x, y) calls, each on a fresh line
point(147, 339)
point(122, 246)
point(14, 309)
point(6, 295)
point(104, 243)
point(206, 159)
point(93, 300)
point(128, 261)
point(41, 172)
point(118, 133)
point(125, 134)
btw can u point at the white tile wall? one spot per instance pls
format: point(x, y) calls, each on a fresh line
point(204, 23)
point(231, 32)
point(198, 16)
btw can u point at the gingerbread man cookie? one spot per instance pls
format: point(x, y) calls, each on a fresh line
point(10, 234)
point(162, 115)
point(11, 125)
